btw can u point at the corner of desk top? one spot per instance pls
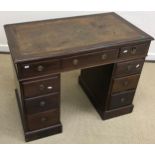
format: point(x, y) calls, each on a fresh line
point(7, 27)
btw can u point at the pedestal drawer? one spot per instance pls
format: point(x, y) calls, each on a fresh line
point(43, 103)
point(42, 120)
point(121, 99)
point(129, 67)
point(41, 87)
point(125, 83)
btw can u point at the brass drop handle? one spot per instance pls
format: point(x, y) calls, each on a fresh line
point(129, 67)
point(75, 62)
point(41, 87)
point(134, 50)
point(104, 56)
point(40, 68)
point(125, 83)
point(43, 119)
point(122, 100)
point(42, 103)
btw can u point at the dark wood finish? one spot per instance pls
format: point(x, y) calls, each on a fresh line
point(90, 59)
point(96, 82)
point(125, 83)
point(43, 119)
point(105, 114)
point(116, 112)
point(40, 68)
point(129, 67)
point(121, 99)
point(36, 134)
point(41, 133)
point(42, 103)
point(59, 37)
point(109, 50)
point(21, 111)
point(134, 51)
point(41, 86)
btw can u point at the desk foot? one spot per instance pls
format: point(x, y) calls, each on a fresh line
point(117, 112)
point(37, 134)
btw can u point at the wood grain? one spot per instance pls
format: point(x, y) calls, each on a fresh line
point(105, 47)
point(52, 38)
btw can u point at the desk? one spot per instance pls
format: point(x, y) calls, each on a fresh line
point(109, 51)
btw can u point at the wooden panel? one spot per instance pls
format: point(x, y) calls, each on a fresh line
point(129, 67)
point(121, 99)
point(41, 87)
point(90, 59)
point(42, 120)
point(39, 68)
point(117, 112)
point(95, 82)
point(125, 83)
point(42, 48)
point(50, 38)
point(134, 51)
point(44, 132)
point(43, 103)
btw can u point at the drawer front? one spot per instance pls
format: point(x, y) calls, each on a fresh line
point(126, 83)
point(134, 51)
point(130, 67)
point(121, 99)
point(42, 120)
point(41, 87)
point(38, 68)
point(88, 60)
point(40, 104)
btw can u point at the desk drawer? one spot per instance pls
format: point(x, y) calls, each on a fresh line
point(121, 99)
point(134, 51)
point(42, 120)
point(39, 68)
point(126, 83)
point(41, 87)
point(130, 67)
point(91, 59)
point(43, 103)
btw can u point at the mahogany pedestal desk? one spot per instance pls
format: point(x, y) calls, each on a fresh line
point(109, 51)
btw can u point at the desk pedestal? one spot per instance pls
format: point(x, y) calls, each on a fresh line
point(97, 83)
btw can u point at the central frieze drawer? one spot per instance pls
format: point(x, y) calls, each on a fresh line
point(41, 87)
point(126, 83)
point(91, 59)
